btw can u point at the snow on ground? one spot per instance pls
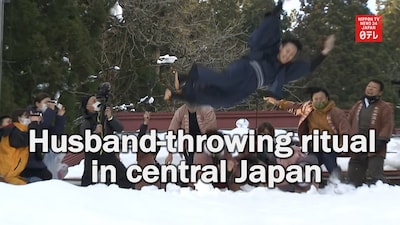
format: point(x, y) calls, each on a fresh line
point(58, 202)
point(392, 161)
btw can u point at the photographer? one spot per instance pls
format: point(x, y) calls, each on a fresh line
point(52, 119)
point(14, 141)
point(92, 120)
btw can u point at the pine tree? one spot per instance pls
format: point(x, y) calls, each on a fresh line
point(54, 46)
point(390, 11)
point(350, 65)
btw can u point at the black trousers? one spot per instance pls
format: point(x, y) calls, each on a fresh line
point(220, 89)
point(362, 167)
point(42, 173)
point(105, 159)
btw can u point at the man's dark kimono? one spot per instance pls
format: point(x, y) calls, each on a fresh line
point(260, 68)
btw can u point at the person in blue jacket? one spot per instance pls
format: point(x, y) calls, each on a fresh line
point(270, 63)
point(53, 119)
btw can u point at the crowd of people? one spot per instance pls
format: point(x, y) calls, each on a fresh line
point(370, 112)
point(19, 166)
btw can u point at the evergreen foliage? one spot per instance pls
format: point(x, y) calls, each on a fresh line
point(73, 46)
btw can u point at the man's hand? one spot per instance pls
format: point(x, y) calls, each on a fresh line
point(99, 129)
point(329, 44)
point(61, 111)
point(108, 113)
point(51, 105)
point(146, 118)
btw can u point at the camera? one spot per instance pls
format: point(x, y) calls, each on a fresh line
point(104, 91)
point(58, 105)
point(35, 114)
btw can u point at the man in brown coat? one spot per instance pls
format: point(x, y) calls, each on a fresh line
point(371, 113)
point(194, 120)
point(318, 114)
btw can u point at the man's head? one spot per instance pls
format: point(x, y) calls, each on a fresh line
point(41, 101)
point(90, 104)
point(266, 128)
point(288, 50)
point(5, 121)
point(319, 97)
point(21, 116)
point(374, 88)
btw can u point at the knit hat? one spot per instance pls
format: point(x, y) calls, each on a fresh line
point(84, 102)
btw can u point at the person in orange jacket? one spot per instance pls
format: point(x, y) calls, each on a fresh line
point(14, 152)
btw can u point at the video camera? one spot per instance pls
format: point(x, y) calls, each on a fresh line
point(104, 91)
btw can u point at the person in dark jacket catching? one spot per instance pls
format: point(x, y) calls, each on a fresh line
point(270, 63)
point(111, 124)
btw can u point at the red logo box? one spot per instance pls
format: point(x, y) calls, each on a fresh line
point(368, 28)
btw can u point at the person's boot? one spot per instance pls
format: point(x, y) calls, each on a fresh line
point(336, 176)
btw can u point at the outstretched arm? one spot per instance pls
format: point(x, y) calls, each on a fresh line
point(143, 127)
point(298, 69)
point(328, 45)
point(292, 107)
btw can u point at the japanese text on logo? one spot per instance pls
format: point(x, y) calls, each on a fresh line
point(368, 28)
